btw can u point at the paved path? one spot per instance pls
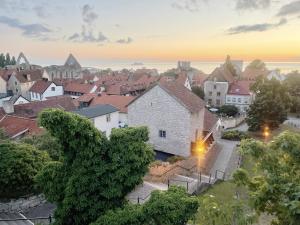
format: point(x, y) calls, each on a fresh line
point(242, 127)
point(223, 160)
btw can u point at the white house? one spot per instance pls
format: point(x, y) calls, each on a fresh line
point(43, 89)
point(104, 117)
point(239, 95)
point(176, 118)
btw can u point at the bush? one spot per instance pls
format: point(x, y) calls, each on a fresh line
point(234, 135)
point(228, 110)
point(19, 164)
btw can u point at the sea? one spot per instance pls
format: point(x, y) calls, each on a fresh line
point(206, 67)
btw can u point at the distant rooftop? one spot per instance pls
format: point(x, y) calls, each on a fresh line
point(95, 111)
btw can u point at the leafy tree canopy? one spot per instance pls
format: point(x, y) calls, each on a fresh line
point(257, 64)
point(19, 163)
point(292, 82)
point(95, 174)
point(6, 60)
point(228, 110)
point(276, 190)
point(271, 104)
point(172, 207)
point(198, 91)
point(45, 142)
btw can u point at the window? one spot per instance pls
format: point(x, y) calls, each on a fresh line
point(210, 93)
point(17, 90)
point(215, 86)
point(228, 99)
point(218, 102)
point(108, 118)
point(52, 88)
point(218, 93)
point(162, 133)
point(233, 99)
point(239, 100)
point(209, 101)
point(16, 83)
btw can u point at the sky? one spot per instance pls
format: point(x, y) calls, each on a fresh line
point(150, 30)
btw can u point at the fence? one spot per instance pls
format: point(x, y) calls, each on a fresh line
point(37, 220)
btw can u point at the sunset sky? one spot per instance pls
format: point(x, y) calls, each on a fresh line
point(160, 30)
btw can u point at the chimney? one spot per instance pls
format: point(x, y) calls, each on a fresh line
point(8, 107)
point(28, 77)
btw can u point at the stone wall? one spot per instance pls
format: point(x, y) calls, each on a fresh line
point(22, 204)
point(232, 122)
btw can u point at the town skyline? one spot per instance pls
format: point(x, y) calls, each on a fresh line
point(168, 30)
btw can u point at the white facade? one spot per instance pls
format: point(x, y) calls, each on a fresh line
point(21, 100)
point(3, 86)
point(51, 91)
point(172, 127)
point(242, 102)
point(215, 92)
point(106, 123)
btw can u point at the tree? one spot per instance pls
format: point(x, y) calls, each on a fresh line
point(2, 60)
point(270, 106)
point(198, 91)
point(292, 82)
point(13, 61)
point(228, 110)
point(19, 163)
point(257, 64)
point(45, 142)
point(95, 174)
point(7, 59)
point(172, 207)
point(230, 66)
point(276, 190)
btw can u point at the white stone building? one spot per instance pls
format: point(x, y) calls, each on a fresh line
point(176, 118)
point(104, 117)
point(44, 89)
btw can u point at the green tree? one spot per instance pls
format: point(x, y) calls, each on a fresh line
point(229, 65)
point(228, 110)
point(13, 61)
point(95, 174)
point(7, 59)
point(277, 190)
point(2, 60)
point(198, 91)
point(19, 163)
point(257, 64)
point(172, 207)
point(270, 106)
point(292, 82)
point(45, 142)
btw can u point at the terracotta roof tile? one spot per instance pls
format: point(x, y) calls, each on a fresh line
point(210, 120)
point(14, 126)
point(191, 101)
point(79, 88)
point(40, 86)
point(239, 88)
point(5, 74)
point(117, 101)
point(29, 75)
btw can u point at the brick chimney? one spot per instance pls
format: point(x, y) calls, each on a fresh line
point(8, 106)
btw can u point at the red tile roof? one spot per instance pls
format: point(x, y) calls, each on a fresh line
point(239, 88)
point(24, 76)
point(210, 120)
point(5, 74)
point(221, 74)
point(184, 96)
point(32, 109)
point(79, 88)
point(14, 126)
point(40, 86)
point(198, 79)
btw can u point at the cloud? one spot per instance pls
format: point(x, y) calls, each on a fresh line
point(34, 30)
point(252, 4)
point(290, 9)
point(189, 5)
point(40, 11)
point(88, 15)
point(87, 35)
point(255, 28)
point(125, 40)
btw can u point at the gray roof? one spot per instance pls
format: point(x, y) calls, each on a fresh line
point(95, 111)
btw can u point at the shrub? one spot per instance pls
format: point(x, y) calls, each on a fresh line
point(174, 159)
point(234, 135)
point(228, 110)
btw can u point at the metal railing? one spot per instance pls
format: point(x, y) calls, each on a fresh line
point(36, 220)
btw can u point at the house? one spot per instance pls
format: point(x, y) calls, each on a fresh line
point(216, 86)
point(75, 89)
point(177, 119)
point(70, 70)
point(119, 102)
point(22, 80)
point(104, 117)
point(181, 78)
point(32, 109)
point(17, 127)
point(43, 89)
point(239, 95)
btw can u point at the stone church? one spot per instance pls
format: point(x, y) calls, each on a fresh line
point(70, 70)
